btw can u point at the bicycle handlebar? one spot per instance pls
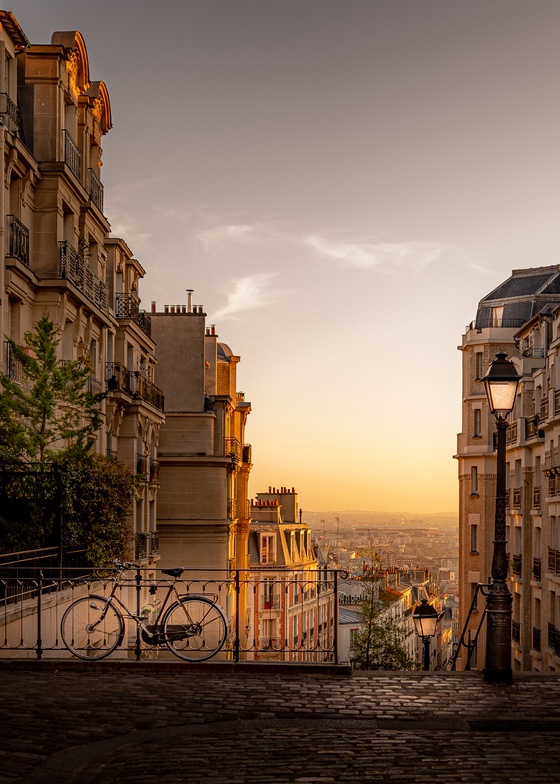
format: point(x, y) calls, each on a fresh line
point(125, 564)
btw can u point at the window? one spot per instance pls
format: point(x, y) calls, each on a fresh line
point(479, 370)
point(477, 426)
point(474, 480)
point(497, 316)
point(474, 538)
point(268, 548)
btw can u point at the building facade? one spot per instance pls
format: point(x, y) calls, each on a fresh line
point(58, 256)
point(522, 318)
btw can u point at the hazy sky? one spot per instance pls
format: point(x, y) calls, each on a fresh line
point(340, 183)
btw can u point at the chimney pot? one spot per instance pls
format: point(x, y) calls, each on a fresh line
point(153, 306)
point(189, 300)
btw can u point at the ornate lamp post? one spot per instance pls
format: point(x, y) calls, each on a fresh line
point(501, 383)
point(425, 619)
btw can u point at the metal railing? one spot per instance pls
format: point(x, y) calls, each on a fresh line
point(536, 497)
point(517, 497)
point(75, 269)
point(95, 189)
point(128, 306)
point(12, 367)
point(553, 561)
point(536, 642)
point(492, 321)
point(516, 564)
point(18, 246)
point(72, 156)
point(554, 638)
point(9, 113)
point(233, 448)
point(133, 383)
point(516, 631)
point(537, 568)
point(146, 544)
point(544, 408)
point(300, 630)
point(511, 435)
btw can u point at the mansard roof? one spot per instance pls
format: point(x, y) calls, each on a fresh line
point(523, 295)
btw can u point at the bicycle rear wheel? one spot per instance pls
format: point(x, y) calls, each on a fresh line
point(91, 628)
point(195, 628)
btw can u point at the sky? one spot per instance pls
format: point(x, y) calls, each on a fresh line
point(340, 182)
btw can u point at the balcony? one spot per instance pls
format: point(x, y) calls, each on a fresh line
point(516, 631)
point(72, 156)
point(554, 561)
point(95, 189)
point(18, 246)
point(536, 639)
point(516, 564)
point(511, 435)
point(554, 638)
point(75, 269)
point(9, 113)
point(12, 367)
point(536, 498)
point(517, 497)
point(146, 545)
point(544, 409)
point(537, 569)
point(233, 448)
point(133, 383)
point(247, 453)
point(270, 603)
point(128, 307)
point(142, 466)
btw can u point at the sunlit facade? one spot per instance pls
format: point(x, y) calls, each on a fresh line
point(522, 318)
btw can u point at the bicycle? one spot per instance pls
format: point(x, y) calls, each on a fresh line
point(193, 626)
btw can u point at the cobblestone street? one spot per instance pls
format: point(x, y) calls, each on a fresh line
point(66, 723)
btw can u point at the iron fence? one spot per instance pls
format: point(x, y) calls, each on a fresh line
point(288, 618)
point(18, 240)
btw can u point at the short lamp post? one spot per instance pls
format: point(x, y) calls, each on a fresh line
point(501, 382)
point(425, 619)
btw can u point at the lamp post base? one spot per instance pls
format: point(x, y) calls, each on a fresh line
point(498, 634)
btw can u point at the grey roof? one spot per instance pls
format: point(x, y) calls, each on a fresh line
point(523, 295)
point(345, 615)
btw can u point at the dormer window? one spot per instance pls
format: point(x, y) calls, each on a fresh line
point(268, 548)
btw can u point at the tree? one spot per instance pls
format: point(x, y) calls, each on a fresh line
point(53, 409)
point(378, 643)
point(48, 422)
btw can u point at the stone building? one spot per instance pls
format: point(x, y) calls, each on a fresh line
point(522, 318)
point(291, 604)
point(57, 253)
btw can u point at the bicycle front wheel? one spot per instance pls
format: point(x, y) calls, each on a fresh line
point(92, 627)
point(194, 628)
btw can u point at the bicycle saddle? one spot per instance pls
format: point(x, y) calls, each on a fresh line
point(177, 572)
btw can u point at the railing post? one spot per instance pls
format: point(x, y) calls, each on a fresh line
point(138, 581)
point(237, 624)
point(335, 631)
point(39, 648)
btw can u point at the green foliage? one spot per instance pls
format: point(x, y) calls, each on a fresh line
point(98, 496)
point(48, 422)
point(378, 643)
point(53, 409)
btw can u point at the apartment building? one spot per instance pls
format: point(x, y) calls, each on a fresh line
point(57, 253)
point(522, 318)
point(204, 462)
point(290, 611)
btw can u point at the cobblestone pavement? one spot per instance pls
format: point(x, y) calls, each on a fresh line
point(108, 723)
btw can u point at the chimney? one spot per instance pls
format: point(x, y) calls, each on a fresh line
point(213, 327)
point(189, 300)
point(153, 306)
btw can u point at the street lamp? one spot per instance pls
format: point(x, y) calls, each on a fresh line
point(425, 619)
point(501, 382)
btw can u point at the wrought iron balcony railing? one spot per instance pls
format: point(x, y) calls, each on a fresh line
point(72, 156)
point(9, 113)
point(95, 189)
point(536, 497)
point(537, 569)
point(19, 240)
point(146, 544)
point(516, 564)
point(511, 435)
point(536, 639)
point(233, 448)
point(128, 306)
point(516, 497)
point(133, 383)
point(554, 638)
point(12, 368)
point(544, 409)
point(75, 269)
point(553, 561)
point(516, 631)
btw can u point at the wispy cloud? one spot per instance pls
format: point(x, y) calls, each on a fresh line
point(383, 256)
point(246, 294)
point(231, 233)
